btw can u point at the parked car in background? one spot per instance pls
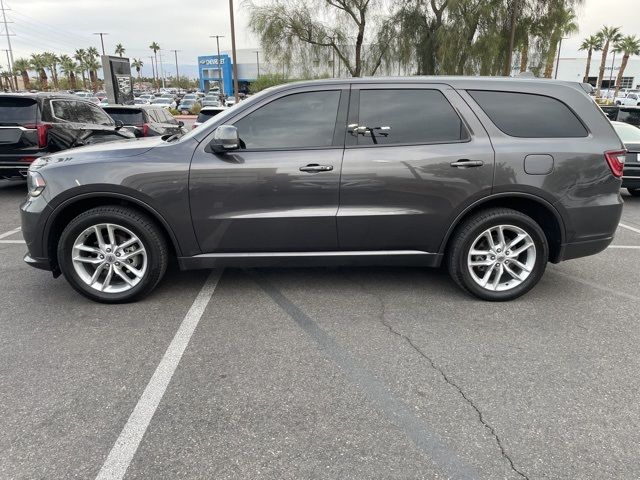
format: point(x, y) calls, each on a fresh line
point(230, 102)
point(83, 94)
point(33, 125)
point(630, 136)
point(104, 102)
point(164, 102)
point(146, 121)
point(492, 177)
point(141, 101)
point(206, 113)
point(611, 111)
point(630, 115)
point(211, 101)
point(101, 95)
point(632, 99)
point(150, 97)
point(187, 104)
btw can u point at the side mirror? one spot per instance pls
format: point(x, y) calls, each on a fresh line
point(119, 124)
point(225, 138)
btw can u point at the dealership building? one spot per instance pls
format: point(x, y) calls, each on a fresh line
point(211, 69)
point(572, 69)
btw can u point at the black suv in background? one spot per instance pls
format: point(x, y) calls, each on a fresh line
point(146, 120)
point(33, 125)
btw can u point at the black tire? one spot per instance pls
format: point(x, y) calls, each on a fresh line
point(138, 223)
point(467, 232)
point(634, 192)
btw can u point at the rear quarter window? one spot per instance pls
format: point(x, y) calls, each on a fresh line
point(18, 111)
point(529, 115)
point(126, 115)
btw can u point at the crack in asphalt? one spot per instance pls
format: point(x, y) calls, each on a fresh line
point(446, 378)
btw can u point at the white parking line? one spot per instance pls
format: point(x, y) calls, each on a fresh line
point(633, 229)
point(116, 464)
point(9, 233)
point(21, 242)
point(631, 247)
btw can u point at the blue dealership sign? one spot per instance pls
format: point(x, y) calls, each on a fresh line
point(211, 68)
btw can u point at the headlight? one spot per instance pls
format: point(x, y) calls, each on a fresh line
point(35, 183)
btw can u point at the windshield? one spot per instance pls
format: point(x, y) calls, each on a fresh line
point(162, 101)
point(205, 115)
point(627, 133)
point(628, 115)
point(126, 116)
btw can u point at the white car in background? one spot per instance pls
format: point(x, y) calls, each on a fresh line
point(164, 102)
point(631, 99)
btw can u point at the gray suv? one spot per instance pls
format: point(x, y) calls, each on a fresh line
point(492, 177)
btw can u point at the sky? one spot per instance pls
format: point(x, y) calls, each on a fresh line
point(64, 25)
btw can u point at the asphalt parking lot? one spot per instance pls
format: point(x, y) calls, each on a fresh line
point(332, 373)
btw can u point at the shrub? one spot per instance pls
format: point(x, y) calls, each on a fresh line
point(195, 110)
point(174, 112)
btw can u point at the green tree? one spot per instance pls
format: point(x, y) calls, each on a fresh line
point(120, 50)
point(92, 65)
point(138, 64)
point(21, 66)
point(267, 80)
point(563, 21)
point(39, 63)
point(80, 56)
point(69, 68)
point(155, 47)
point(590, 44)
point(290, 29)
point(609, 36)
point(51, 60)
point(628, 45)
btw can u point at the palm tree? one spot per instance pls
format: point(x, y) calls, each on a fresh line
point(608, 35)
point(38, 63)
point(565, 24)
point(590, 44)
point(120, 49)
point(629, 45)
point(80, 56)
point(21, 66)
point(138, 64)
point(51, 60)
point(69, 67)
point(92, 64)
point(155, 47)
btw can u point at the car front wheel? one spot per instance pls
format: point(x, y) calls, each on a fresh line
point(112, 254)
point(498, 254)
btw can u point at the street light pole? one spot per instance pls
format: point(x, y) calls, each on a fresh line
point(558, 59)
point(175, 53)
point(611, 73)
point(220, 81)
point(233, 52)
point(258, 62)
point(102, 39)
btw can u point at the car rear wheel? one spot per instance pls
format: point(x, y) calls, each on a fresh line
point(634, 191)
point(112, 254)
point(498, 254)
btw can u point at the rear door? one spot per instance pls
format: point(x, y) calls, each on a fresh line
point(415, 156)
point(77, 122)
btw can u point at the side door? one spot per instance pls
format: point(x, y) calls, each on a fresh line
point(415, 155)
point(279, 191)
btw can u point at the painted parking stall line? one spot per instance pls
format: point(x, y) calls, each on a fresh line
point(18, 242)
point(120, 456)
point(9, 233)
point(628, 227)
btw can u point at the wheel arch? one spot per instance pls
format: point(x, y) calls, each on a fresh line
point(540, 210)
point(70, 208)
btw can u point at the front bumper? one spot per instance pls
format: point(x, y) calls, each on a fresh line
point(34, 213)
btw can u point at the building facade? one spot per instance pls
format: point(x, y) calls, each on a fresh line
point(573, 69)
point(250, 64)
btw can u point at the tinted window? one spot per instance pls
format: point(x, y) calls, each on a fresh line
point(126, 115)
point(629, 115)
point(20, 111)
point(528, 115)
point(79, 112)
point(205, 115)
point(152, 115)
point(413, 116)
point(299, 120)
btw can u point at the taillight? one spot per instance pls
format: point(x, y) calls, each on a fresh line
point(42, 129)
point(615, 159)
point(145, 129)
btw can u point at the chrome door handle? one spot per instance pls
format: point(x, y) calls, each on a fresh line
point(313, 168)
point(464, 163)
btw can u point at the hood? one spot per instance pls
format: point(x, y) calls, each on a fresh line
point(102, 151)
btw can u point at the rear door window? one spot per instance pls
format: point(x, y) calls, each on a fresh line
point(18, 111)
point(528, 115)
point(407, 116)
point(79, 112)
point(126, 115)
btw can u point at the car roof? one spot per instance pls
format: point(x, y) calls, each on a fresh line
point(207, 108)
point(42, 95)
